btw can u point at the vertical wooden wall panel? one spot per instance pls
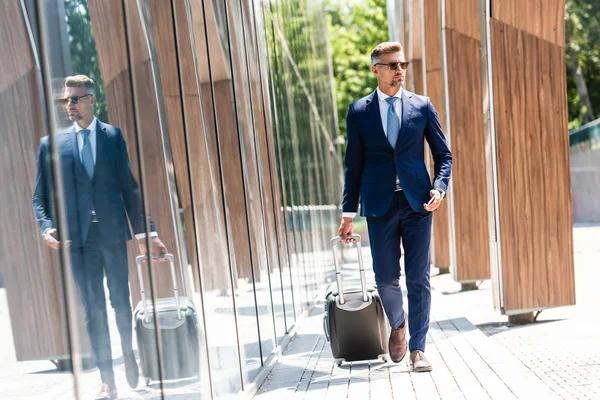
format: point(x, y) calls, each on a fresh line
point(462, 16)
point(418, 76)
point(465, 104)
point(542, 18)
point(433, 35)
point(433, 77)
point(414, 48)
point(462, 54)
point(528, 78)
point(441, 218)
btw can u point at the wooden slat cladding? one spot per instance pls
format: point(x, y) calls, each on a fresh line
point(441, 218)
point(465, 97)
point(433, 38)
point(109, 33)
point(416, 34)
point(14, 46)
point(418, 82)
point(415, 48)
point(462, 16)
point(433, 77)
point(542, 18)
point(533, 169)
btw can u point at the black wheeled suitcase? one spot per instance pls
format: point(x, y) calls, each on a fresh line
point(355, 323)
point(178, 333)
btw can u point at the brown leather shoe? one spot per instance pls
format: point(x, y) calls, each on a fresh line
point(397, 343)
point(132, 372)
point(419, 362)
point(108, 391)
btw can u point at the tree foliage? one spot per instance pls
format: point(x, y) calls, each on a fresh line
point(83, 50)
point(583, 26)
point(355, 27)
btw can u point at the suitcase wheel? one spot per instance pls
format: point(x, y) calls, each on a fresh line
point(339, 361)
point(147, 381)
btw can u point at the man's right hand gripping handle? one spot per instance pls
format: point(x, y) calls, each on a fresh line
point(346, 229)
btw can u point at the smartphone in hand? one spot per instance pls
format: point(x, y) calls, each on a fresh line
point(431, 200)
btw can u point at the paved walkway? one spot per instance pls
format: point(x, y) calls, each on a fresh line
point(475, 353)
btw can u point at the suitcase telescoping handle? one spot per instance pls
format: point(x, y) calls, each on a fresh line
point(338, 271)
point(171, 259)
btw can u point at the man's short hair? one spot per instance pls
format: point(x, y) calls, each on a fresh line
point(384, 48)
point(81, 81)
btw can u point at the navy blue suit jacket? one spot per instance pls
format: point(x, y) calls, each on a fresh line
point(372, 164)
point(112, 192)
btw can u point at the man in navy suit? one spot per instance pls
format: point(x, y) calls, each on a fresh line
point(385, 168)
point(99, 193)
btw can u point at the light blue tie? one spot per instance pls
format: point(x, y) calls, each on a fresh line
point(87, 158)
point(393, 122)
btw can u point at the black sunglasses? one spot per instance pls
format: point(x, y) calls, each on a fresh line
point(73, 99)
point(393, 66)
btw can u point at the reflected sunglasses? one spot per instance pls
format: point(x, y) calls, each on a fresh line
point(73, 99)
point(393, 66)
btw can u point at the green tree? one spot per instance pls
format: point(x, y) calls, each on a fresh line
point(83, 49)
point(582, 59)
point(355, 27)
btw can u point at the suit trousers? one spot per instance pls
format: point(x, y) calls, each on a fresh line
point(401, 224)
point(90, 263)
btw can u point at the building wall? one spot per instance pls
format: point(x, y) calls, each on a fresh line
point(585, 185)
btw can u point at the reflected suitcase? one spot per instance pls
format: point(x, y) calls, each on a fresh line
point(355, 323)
point(178, 333)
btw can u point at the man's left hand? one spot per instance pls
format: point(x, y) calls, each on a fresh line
point(437, 200)
point(158, 248)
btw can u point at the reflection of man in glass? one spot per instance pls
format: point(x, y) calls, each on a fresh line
point(99, 189)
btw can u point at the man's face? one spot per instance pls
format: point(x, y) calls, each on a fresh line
point(387, 78)
point(85, 105)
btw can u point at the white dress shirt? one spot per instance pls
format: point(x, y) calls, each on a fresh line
point(384, 107)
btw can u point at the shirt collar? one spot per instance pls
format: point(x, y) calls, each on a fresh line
point(382, 96)
point(91, 127)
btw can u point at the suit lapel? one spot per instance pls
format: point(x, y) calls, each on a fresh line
point(407, 108)
point(100, 142)
point(375, 115)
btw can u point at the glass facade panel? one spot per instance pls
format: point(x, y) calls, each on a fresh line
point(199, 131)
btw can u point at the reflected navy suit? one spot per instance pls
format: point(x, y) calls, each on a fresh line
point(372, 168)
point(98, 242)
